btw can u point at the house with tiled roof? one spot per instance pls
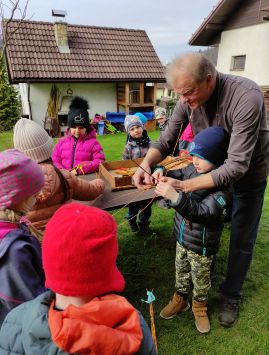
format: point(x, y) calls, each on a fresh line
point(115, 69)
point(240, 31)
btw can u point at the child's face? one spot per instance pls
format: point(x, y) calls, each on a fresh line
point(161, 120)
point(78, 131)
point(201, 165)
point(136, 131)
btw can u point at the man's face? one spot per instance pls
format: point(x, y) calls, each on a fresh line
point(191, 93)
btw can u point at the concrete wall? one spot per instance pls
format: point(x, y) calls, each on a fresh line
point(101, 97)
point(251, 41)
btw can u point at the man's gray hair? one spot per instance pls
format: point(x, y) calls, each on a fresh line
point(194, 64)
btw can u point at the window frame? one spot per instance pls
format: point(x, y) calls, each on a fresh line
point(235, 62)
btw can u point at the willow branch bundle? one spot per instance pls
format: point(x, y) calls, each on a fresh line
point(173, 163)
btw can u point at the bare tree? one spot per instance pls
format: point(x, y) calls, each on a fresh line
point(8, 10)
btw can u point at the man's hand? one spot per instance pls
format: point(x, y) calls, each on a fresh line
point(157, 175)
point(201, 182)
point(184, 186)
point(142, 177)
point(170, 181)
point(165, 190)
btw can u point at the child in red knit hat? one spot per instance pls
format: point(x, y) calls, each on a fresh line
point(82, 313)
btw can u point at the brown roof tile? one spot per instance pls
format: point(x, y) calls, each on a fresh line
point(96, 54)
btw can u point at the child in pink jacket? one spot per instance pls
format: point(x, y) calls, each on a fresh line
point(79, 151)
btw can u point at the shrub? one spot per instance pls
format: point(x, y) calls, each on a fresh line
point(10, 106)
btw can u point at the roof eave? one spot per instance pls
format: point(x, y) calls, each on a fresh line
point(59, 80)
point(213, 23)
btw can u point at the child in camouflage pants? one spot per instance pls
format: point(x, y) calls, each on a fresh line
point(198, 225)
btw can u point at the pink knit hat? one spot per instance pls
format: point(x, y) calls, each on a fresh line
point(79, 252)
point(20, 178)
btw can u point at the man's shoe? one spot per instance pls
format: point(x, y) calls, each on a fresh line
point(199, 310)
point(229, 312)
point(176, 305)
point(144, 227)
point(133, 225)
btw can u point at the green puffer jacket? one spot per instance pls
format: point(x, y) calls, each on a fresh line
point(25, 331)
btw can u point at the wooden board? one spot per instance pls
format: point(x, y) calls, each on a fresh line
point(110, 200)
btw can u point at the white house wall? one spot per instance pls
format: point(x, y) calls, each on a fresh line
point(23, 96)
point(101, 97)
point(251, 41)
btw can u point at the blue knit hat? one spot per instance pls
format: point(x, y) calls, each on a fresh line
point(131, 121)
point(211, 144)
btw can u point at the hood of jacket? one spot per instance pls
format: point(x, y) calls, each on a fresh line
point(105, 325)
point(6, 228)
point(111, 324)
point(51, 197)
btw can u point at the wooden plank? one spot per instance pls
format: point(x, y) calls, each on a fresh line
point(144, 105)
point(127, 93)
point(141, 88)
point(110, 200)
point(154, 94)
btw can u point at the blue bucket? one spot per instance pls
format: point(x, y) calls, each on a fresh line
point(101, 128)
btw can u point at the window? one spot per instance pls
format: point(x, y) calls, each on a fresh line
point(238, 62)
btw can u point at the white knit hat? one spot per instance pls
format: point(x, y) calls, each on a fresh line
point(32, 139)
point(160, 112)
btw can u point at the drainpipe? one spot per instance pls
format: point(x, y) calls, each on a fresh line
point(28, 100)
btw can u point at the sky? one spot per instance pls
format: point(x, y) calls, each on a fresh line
point(168, 23)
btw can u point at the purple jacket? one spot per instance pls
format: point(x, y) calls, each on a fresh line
point(21, 273)
point(69, 152)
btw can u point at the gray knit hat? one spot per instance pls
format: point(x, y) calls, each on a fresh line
point(32, 140)
point(131, 121)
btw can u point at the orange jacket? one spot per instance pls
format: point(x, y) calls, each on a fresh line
point(106, 325)
point(52, 196)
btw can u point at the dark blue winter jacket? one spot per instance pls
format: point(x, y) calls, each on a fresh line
point(21, 274)
point(198, 222)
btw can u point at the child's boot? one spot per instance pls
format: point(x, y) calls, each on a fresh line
point(177, 305)
point(199, 310)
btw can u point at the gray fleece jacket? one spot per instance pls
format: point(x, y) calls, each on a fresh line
point(237, 104)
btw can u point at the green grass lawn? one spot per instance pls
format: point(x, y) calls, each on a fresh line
point(148, 262)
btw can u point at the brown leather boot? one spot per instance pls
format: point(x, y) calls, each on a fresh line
point(176, 305)
point(199, 310)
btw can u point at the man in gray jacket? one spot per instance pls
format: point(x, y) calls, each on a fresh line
point(208, 98)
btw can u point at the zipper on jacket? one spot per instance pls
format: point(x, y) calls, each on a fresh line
point(181, 229)
point(73, 153)
point(204, 236)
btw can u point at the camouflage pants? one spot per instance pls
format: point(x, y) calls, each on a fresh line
point(192, 268)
